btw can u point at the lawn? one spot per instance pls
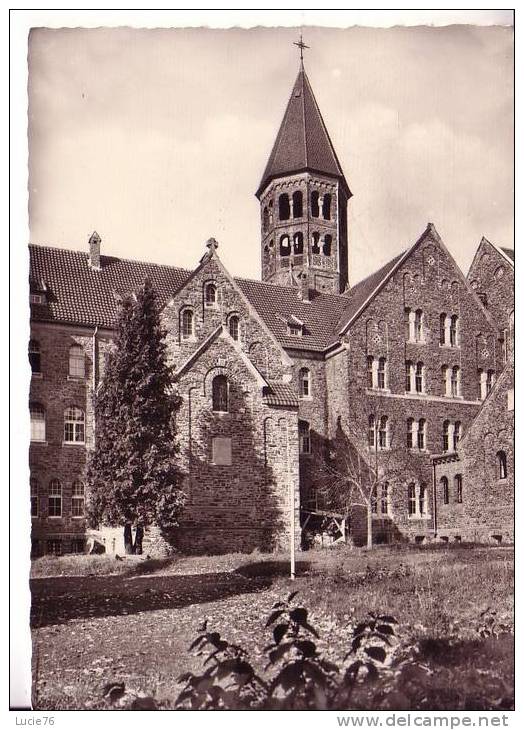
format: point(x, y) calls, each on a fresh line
point(96, 620)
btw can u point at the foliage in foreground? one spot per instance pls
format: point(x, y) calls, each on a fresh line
point(297, 676)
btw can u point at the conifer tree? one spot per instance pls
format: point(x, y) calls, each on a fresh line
point(132, 473)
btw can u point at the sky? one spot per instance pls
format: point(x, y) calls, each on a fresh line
point(158, 138)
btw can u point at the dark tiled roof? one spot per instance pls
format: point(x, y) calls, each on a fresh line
point(79, 295)
point(302, 141)
point(281, 394)
point(361, 291)
point(320, 315)
point(76, 294)
point(510, 253)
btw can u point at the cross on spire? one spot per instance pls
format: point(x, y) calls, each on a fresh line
point(301, 45)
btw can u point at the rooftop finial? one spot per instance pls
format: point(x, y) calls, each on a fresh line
point(212, 244)
point(301, 45)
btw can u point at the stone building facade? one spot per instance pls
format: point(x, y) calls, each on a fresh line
point(410, 364)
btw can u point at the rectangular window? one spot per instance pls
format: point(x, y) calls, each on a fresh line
point(408, 377)
point(421, 435)
point(77, 500)
point(36, 298)
point(419, 378)
point(382, 373)
point(370, 371)
point(77, 546)
point(55, 499)
point(54, 547)
point(304, 437)
point(374, 501)
point(221, 448)
point(409, 433)
point(422, 500)
point(34, 497)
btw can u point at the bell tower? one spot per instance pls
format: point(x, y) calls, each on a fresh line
point(303, 198)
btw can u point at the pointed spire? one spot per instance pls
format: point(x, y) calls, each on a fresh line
point(302, 141)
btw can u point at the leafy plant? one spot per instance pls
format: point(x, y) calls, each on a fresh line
point(300, 678)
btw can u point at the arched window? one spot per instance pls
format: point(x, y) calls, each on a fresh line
point(409, 372)
point(370, 371)
point(502, 465)
point(78, 499)
point(220, 394)
point(458, 488)
point(37, 414)
point(34, 356)
point(442, 338)
point(445, 489)
point(33, 486)
point(421, 434)
point(210, 295)
point(371, 431)
point(283, 207)
point(285, 248)
point(234, 327)
point(383, 433)
point(315, 242)
point(297, 204)
point(304, 437)
point(326, 207)
point(445, 379)
point(55, 499)
point(455, 381)
point(74, 426)
point(423, 500)
point(453, 331)
point(187, 328)
point(409, 433)
point(412, 499)
point(326, 248)
point(270, 212)
point(381, 373)
point(457, 432)
point(419, 378)
point(304, 383)
point(265, 219)
point(315, 210)
point(419, 332)
point(445, 436)
point(77, 362)
point(298, 243)
point(408, 324)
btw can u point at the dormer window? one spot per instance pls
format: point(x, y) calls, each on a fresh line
point(36, 298)
point(294, 330)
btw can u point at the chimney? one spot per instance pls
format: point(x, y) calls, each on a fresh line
point(303, 283)
point(94, 251)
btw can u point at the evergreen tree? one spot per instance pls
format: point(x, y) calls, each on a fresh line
point(131, 473)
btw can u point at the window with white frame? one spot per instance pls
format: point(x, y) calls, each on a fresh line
point(417, 500)
point(377, 377)
point(383, 433)
point(74, 425)
point(453, 330)
point(304, 437)
point(78, 499)
point(419, 326)
point(443, 329)
point(37, 415)
point(35, 356)
point(54, 508)
point(419, 378)
point(210, 295)
point(304, 383)
point(187, 324)
point(77, 362)
point(445, 436)
point(449, 330)
point(457, 433)
point(451, 381)
point(33, 486)
point(409, 376)
point(455, 381)
point(409, 433)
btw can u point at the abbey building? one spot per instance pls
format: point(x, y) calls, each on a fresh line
point(413, 366)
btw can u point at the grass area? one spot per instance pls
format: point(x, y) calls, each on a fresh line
point(132, 620)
